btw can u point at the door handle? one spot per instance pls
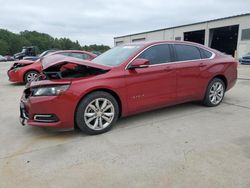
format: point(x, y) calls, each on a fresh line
point(168, 69)
point(202, 65)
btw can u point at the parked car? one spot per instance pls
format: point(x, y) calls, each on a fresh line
point(245, 59)
point(27, 61)
point(25, 70)
point(125, 80)
point(97, 53)
point(34, 58)
point(26, 51)
point(9, 58)
point(2, 58)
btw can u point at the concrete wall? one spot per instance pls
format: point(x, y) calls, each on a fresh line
point(243, 21)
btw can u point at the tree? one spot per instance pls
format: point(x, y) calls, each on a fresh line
point(11, 43)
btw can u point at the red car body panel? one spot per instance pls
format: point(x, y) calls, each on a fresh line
point(18, 75)
point(23, 61)
point(136, 90)
point(58, 59)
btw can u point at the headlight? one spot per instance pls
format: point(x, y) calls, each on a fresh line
point(49, 90)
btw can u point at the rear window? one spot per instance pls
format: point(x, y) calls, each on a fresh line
point(80, 56)
point(76, 55)
point(205, 54)
point(187, 52)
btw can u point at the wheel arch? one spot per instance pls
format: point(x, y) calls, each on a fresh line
point(223, 78)
point(24, 74)
point(220, 76)
point(110, 91)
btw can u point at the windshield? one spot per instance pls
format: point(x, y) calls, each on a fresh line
point(46, 53)
point(116, 55)
point(23, 50)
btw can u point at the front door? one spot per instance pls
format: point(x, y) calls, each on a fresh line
point(154, 86)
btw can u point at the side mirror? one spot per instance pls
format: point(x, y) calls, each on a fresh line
point(139, 63)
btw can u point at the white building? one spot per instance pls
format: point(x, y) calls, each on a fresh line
point(230, 35)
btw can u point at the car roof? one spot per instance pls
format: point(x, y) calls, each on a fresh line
point(150, 43)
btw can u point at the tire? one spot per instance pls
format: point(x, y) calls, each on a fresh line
point(28, 77)
point(215, 93)
point(91, 116)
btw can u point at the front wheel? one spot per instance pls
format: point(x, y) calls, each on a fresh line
point(30, 76)
point(215, 93)
point(97, 113)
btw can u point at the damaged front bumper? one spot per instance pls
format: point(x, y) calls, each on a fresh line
point(23, 115)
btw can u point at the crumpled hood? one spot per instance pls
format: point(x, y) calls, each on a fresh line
point(47, 83)
point(54, 60)
point(25, 62)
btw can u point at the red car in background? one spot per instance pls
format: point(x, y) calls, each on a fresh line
point(24, 71)
point(125, 80)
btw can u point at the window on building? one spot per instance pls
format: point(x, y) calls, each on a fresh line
point(187, 52)
point(138, 40)
point(177, 38)
point(117, 43)
point(157, 54)
point(245, 35)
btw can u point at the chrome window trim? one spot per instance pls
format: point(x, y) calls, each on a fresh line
point(212, 57)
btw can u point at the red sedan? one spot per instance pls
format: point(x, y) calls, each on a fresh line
point(125, 80)
point(24, 71)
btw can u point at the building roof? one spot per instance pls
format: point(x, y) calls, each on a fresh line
point(240, 15)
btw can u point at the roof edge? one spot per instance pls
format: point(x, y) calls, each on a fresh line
point(235, 16)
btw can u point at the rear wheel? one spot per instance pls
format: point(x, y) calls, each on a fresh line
point(215, 93)
point(30, 75)
point(97, 113)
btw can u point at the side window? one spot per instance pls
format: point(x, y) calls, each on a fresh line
point(157, 54)
point(187, 52)
point(80, 56)
point(205, 54)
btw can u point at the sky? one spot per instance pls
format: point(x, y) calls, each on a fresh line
point(99, 21)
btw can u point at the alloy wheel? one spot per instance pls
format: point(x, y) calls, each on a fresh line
point(99, 114)
point(216, 93)
point(31, 76)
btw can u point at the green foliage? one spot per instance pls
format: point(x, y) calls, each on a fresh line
point(98, 48)
point(11, 43)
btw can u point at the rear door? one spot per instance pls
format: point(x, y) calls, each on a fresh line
point(154, 86)
point(190, 65)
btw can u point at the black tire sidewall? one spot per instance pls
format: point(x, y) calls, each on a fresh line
point(79, 116)
point(206, 100)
